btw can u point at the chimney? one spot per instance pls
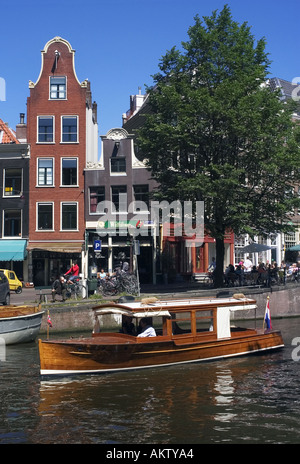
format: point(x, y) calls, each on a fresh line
point(21, 129)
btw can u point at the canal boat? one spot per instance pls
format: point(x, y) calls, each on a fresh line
point(186, 331)
point(19, 324)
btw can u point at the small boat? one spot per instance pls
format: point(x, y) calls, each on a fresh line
point(186, 331)
point(19, 324)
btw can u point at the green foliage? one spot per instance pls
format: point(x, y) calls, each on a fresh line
point(217, 133)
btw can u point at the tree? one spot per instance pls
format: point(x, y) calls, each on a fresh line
point(217, 133)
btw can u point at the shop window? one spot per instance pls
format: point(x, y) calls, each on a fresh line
point(13, 181)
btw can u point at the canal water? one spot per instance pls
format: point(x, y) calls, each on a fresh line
point(250, 400)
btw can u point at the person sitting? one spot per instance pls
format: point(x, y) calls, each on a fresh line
point(102, 274)
point(146, 329)
point(74, 271)
point(212, 266)
point(128, 326)
point(59, 288)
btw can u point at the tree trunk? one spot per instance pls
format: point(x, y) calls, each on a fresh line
point(219, 271)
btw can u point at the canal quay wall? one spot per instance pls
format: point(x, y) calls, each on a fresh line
point(78, 315)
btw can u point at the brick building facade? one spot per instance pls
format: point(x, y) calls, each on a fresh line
point(62, 132)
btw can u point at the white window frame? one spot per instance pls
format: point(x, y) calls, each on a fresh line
point(53, 171)
point(37, 215)
point(62, 203)
point(61, 171)
point(49, 116)
point(58, 99)
point(61, 125)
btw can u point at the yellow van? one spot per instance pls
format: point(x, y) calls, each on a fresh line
point(14, 283)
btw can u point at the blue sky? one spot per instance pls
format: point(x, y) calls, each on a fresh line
point(119, 43)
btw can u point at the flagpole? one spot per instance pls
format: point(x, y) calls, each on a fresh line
point(267, 305)
point(47, 325)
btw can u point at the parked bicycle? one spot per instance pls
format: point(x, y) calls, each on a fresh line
point(120, 282)
point(74, 288)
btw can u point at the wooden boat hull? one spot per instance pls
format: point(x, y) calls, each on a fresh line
point(106, 353)
point(19, 325)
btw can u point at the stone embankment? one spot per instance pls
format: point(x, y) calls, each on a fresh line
point(78, 316)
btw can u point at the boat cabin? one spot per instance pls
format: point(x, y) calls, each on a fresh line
point(173, 319)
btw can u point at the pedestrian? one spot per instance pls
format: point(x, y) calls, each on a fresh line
point(59, 288)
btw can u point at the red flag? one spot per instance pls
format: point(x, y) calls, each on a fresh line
point(49, 321)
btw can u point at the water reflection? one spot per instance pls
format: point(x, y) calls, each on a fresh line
point(240, 400)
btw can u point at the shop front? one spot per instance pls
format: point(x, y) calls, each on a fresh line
point(47, 261)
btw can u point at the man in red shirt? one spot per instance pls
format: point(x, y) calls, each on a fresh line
point(74, 271)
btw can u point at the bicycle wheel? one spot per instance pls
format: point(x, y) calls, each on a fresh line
point(109, 289)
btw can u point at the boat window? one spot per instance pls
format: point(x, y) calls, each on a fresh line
point(181, 323)
point(204, 321)
point(157, 322)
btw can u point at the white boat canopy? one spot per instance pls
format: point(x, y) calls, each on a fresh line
point(124, 312)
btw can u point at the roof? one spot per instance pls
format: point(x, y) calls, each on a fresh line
point(7, 135)
point(288, 90)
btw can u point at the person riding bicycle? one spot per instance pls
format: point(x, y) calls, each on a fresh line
point(74, 271)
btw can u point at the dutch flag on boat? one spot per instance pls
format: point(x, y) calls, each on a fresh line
point(268, 315)
point(49, 321)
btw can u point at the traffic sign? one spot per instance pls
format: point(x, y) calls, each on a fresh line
point(97, 245)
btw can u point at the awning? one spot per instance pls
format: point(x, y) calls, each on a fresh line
point(57, 247)
point(13, 250)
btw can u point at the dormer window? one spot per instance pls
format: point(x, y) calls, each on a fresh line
point(58, 88)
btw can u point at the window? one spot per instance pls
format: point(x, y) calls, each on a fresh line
point(119, 197)
point(69, 171)
point(12, 223)
point(181, 323)
point(118, 165)
point(69, 129)
point(57, 88)
point(141, 197)
point(97, 194)
point(45, 216)
point(45, 129)
point(45, 171)
point(69, 216)
point(13, 181)
point(204, 321)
